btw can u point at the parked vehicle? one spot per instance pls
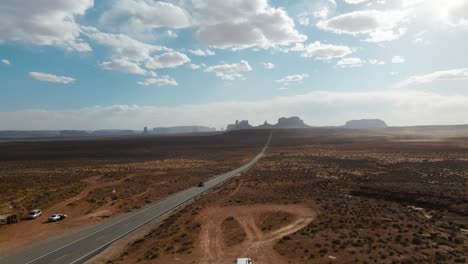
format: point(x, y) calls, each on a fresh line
point(33, 214)
point(56, 217)
point(8, 219)
point(201, 184)
point(243, 261)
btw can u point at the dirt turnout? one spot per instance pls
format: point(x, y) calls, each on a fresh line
point(258, 244)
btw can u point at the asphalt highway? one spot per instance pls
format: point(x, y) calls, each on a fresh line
point(81, 246)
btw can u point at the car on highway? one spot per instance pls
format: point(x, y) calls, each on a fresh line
point(56, 217)
point(201, 184)
point(243, 261)
point(33, 214)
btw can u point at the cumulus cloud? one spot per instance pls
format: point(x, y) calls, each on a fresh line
point(453, 13)
point(322, 51)
point(243, 24)
point(47, 23)
point(268, 65)
point(379, 26)
point(167, 60)
point(230, 72)
point(5, 61)
point(199, 52)
point(161, 81)
point(396, 107)
point(350, 62)
point(142, 16)
point(456, 13)
point(447, 75)
point(47, 77)
point(123, 66)
point(293, 78)
point(398, 59)
point(123, 46)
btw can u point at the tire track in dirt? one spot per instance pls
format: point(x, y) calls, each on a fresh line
point(257, 245)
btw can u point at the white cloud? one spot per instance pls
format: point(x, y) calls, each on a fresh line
point(398, 59)
point(456, 13)
point(51, 78)
point(379, 26)
point(350, 62)
point(296, 78)
point(243, 24)
point(303, 19)
point(195, 66)
point(138, 17)
point(6, 62)
point(123, 66)
point(355, 2)
point(167, 60)
point(322, 51)
point(199, 52)
point(161, 81)
point(447, 75)
point(171, 34)
point(47, 23)
point(123, 46)
point(268, 65)
point(375, 62)
point(322, 13)
point(396, 107)
point(230, 72)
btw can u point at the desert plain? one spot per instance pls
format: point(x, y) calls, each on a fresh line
point(318, 195)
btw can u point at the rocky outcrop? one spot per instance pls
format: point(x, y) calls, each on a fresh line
point(291, 122)
point(265, 126)
point(244, 124)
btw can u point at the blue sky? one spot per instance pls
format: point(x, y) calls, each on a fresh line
point(132, 63)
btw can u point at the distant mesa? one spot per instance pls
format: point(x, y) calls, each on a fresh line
point(366, 124)
point(291, 122)
point(244, 124)
point(283, 122)
point(266, 126)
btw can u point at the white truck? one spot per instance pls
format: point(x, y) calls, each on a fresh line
point(243, 261)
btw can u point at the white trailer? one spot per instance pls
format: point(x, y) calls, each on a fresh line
point(243, 261)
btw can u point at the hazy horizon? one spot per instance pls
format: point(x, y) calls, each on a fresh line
point(126, 64)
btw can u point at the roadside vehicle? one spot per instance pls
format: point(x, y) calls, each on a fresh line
point(201, 184)
point(56, 217)
point(33, 214)
point(243, 261)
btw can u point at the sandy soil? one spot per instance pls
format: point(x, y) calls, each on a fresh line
point(375, 200)
point(92, 180)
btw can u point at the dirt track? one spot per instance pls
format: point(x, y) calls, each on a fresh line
point(258, 244)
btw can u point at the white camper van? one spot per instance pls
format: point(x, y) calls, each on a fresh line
point(243, 261)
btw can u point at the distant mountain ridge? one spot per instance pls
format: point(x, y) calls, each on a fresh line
point(182, 130)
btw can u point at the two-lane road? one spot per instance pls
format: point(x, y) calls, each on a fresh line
point(81, 246)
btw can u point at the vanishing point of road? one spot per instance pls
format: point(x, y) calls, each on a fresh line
point(79, 247)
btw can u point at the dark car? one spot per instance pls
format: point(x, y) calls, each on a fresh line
point(201, 184)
